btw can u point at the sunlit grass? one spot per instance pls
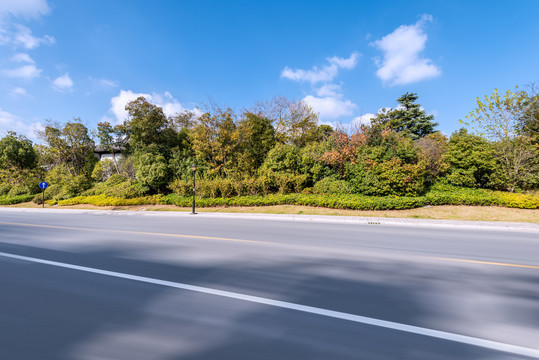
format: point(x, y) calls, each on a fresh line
point(445, 212)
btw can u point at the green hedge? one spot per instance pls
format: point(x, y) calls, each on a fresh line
point(356, 202)
point(453, 195)
point(10, 200)
point(438, 195)
point(103, 200)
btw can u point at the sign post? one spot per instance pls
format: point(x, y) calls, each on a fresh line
point(43, 185)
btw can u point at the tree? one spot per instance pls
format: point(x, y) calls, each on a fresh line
point(497, 116)
point(432, 149)
point(214, 140)
point(283, 158)
point(387, 163)
point(295, 123)
point(517, 164)
point(256, 139)
point(147, 125)
point(71, 145)
point(342, 149)
point(471, 158)
point(407, 117)
point(151, 168)
point(17, 152)
point(529, 122)
point(508, 120)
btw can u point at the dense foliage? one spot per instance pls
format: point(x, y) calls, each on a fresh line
point(277, 153)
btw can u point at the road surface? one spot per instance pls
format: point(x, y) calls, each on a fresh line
point(130, 286)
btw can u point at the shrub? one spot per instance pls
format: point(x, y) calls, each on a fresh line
point(471, 158)
point(332, 185)
point(391, 177)
point(440, 194)
point(63, 185)
point(4, 189)
point(181, 187)
point(38, 199)
point(6, 200)
point(103, 170)
point(118, 186)
point(18, 190)
point(102, 200)
point(151, 169)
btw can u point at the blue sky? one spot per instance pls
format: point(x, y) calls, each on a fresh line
point(62, 59)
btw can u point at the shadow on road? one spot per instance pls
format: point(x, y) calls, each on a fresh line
point(54, 313)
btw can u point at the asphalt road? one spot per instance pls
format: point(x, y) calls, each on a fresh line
point(129, 286)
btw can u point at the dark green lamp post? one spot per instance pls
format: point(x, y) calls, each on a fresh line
point(194, 168)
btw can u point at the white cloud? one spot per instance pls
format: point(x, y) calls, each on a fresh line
point(24, 8)
point(364, 119)
point(63, 83)
point(4, 36)
point(402, 63)
point(10, 122)
point(23, 72)
point(166, 101)
point(24, 37)
point(349, 63)
point(325, 74)
point(332, 90)
point(108, 83)
point(330, 107)
point(29, 71)
point(329, 102)
point(18, 92)
point(24, 58)
point(315, 75)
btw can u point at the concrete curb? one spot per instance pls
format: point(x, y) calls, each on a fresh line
point(358, 220)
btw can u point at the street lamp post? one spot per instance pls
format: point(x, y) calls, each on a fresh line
point(194, 168)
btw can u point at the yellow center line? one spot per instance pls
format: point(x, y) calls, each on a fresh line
point(135, 232)
point(485, 262)
point(245, 241)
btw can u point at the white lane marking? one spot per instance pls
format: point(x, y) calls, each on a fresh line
point(494, 345)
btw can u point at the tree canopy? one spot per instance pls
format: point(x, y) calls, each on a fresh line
point(279, 147)
point(408, 117)
point(17, 152)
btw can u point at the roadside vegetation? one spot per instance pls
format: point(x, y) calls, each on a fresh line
point(277, 153)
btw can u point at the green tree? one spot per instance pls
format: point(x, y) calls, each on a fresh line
point(507, 120)
point(215, 140)
point(19, 173)
point(517, 164)
point(312, 164)
point(256, 139)
point(387, 163)
point(497, 116)
point(529, 122)
point(407, 117)
point(181, 162)
point(388, 177)
point(283, 158)
point(471, 160)
point(17, 152)
point(151, 168)
point(147, 125)
point(70, 145)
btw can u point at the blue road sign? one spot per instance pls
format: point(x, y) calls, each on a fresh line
point(43, 185)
